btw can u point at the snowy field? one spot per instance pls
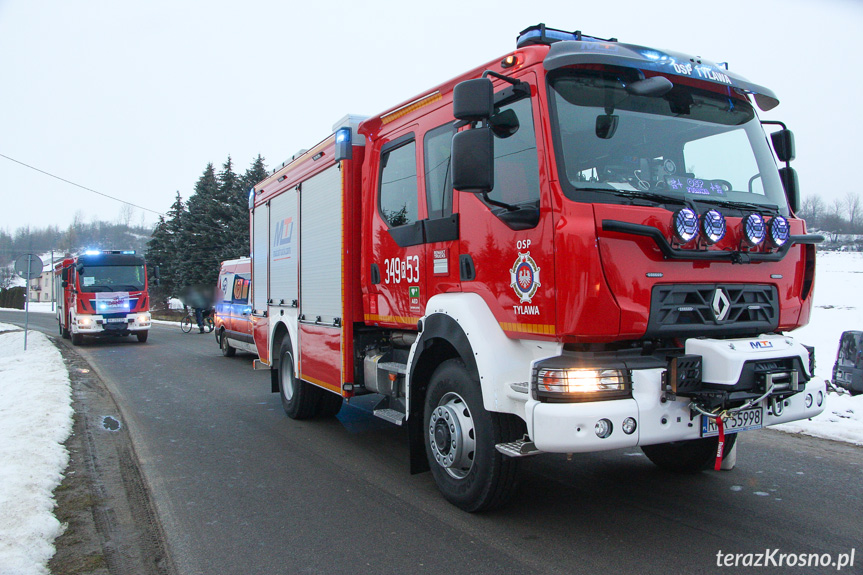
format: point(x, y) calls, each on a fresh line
point(36, 413)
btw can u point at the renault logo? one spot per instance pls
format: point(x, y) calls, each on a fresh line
point(721, 304)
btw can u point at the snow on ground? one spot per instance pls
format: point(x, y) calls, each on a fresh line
point(838, 307)
point(35, 420)
point(36, 413)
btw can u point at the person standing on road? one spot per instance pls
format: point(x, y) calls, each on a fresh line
point(196, 298)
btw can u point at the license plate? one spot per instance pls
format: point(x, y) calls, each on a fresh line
point(752, 418)
point(116, 320)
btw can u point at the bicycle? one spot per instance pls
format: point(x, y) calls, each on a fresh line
point(189, 321)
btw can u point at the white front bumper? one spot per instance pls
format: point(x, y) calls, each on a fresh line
point(570, 427)
point(96, 324)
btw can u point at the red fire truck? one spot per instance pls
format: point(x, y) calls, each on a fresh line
point(104, 294)
point(583, 245)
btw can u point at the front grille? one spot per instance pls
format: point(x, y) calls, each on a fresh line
point(712, 309)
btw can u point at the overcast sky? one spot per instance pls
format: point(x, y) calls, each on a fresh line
point(133, 99)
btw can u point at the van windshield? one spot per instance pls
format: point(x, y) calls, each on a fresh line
point(688, 144)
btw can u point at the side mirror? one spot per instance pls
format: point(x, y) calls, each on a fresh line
point(473, 160)
point(783, 143)
point(792, 187)
point(65, 284)
point(473, 100)
point(79, 268)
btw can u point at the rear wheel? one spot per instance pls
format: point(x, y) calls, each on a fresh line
point(299, 399)
point(208, 324)
point(142, 336)
point(460, 436)
point(186, 324)
point(688, 456)
point(225, 345)
point(64, 333)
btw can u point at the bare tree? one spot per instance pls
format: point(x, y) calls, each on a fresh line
point(126, 214)
point(813, 210)
point(853, 208)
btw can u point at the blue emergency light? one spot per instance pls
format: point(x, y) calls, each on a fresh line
point(343, 144)
point(541, 34)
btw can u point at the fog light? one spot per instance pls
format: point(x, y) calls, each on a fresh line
point(820, 399)
point(779, 231)
point(713, 226)
point(629, 426)
point(603, 428)
point(685, 225)
point(754, 230)
point(808, 400)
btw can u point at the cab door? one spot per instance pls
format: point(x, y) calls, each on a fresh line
point(442, 262)
point(397, 238)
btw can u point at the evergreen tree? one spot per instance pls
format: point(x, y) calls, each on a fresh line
point(202, 234)
point(165, 249)
point(240, 245)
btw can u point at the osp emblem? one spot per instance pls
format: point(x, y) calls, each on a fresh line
point(524, 277)
point(721, 304)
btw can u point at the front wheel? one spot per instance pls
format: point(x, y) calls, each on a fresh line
point(186, 324)
point(460, 436)
point(688, 456)
point(142, 336)
point(77, 339)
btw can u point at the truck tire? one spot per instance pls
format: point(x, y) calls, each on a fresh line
point(688, 456)
point(77, 339)
point(142, 336)
point(225, 345)
point(460, 436)
point(330, 404)
point(64, 333)
point(300, 400)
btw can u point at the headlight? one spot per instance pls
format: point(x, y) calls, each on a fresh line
point(144, 318)
point(581, 384)
point(84, 321)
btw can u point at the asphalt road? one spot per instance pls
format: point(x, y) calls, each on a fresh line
point(240, 488)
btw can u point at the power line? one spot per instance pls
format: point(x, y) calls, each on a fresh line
point(80, 186)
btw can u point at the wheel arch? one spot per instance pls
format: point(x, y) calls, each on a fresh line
point(280, 332)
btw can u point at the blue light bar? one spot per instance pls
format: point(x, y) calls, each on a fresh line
point(128, 252)
point(92, 253)
point(540, 34)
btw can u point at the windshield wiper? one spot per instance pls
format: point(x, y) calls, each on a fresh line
point(650, 196)
point(770, 208)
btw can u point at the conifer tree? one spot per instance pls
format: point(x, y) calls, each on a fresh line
point(201, 237)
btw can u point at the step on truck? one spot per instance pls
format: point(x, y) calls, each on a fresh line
point(103, 293)
point(583, 245)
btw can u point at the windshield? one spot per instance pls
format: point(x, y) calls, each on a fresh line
point(688, 144)
point(111, 278)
